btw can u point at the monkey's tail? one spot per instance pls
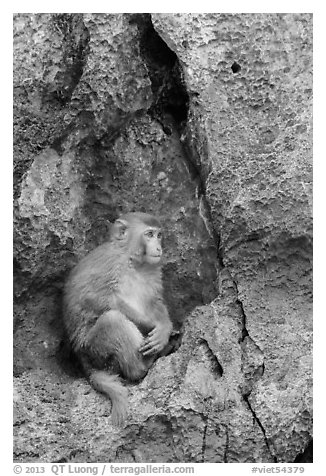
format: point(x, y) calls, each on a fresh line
point(111, 386)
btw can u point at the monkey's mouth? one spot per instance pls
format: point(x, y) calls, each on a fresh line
point(155, 257)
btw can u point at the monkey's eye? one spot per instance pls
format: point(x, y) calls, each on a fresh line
point(159, 235)
point(149, 234)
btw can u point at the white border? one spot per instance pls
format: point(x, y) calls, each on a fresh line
point(318, 467)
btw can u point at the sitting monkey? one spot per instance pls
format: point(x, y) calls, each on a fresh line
point(114, 312)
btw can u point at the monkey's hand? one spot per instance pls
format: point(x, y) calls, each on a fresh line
point(156, 339)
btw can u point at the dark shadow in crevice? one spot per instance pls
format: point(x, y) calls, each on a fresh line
point(215, 366)
point(257, 420)
point(169, 91)
point(307, 455)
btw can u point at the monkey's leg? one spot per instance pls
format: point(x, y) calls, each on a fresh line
point(114, 335)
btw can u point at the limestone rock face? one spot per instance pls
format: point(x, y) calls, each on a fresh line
point(250, 124)
point(205, 121)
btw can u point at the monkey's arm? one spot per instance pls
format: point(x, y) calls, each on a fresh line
point(158, 337)
point(140, 320)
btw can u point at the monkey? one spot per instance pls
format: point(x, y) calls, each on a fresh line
point(114, 312)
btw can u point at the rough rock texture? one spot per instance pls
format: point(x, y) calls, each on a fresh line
point(250, 125)
point(209, 129)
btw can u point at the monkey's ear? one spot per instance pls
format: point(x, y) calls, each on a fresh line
point(119, 230)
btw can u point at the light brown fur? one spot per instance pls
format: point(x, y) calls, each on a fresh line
point(114, 312)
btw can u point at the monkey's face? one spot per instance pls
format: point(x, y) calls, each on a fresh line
point(140, 236)
point(152, 245)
